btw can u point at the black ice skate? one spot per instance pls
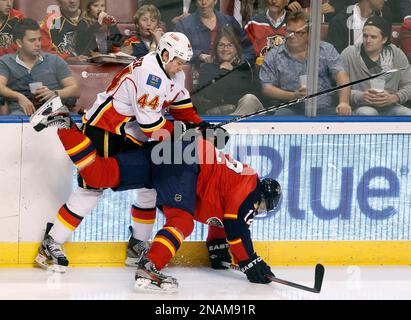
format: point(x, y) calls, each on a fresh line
point(51, 114)
point(51, 256)
point(136, 249)
point(148, 278)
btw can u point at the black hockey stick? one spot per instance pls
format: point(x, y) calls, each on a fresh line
point(318, 278)
point(295, 101)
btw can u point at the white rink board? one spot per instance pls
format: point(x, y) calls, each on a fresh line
point(36, 174)
point(10, 164)
point(46, 181)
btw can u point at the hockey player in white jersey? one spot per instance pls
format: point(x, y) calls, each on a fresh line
point(123, 117)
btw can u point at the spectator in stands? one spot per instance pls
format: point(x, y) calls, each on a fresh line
point(375, 55)
point(30, 65)
point(9, 17)
point(346, 27)
point(201, 29)
point(282, 67)
point(147, 21)
point(398, 8)
point(172, 10)
point(218, 95)
point(405, 37)
point(268, 30)
point(97, 31)
point(59, 31)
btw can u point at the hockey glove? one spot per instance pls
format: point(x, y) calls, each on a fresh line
point(256, 269)
point(180, 128)
point(218, 253)
point(218, 136)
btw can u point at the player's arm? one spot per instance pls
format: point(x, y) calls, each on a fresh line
point(241, 246)
point(182, 108)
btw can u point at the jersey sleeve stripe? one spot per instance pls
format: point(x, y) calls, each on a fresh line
point(184, 106)
point(230, 216)
point(148, 128)
point(181, 102)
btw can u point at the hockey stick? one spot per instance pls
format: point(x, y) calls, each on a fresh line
point(318, 278)
point(291, 102)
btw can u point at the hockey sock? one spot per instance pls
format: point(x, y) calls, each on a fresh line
point(165, 245)
point(71, 214)
point(96, 171)
point(168, 240)
point(142, 222)
point(78, 147)
point(64, 225)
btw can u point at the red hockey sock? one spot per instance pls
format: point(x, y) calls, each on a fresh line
point(78, 146)
point(168, 240)
point(96, 171)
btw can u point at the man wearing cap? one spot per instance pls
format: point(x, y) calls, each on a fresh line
point(345, 29)
point(374, 55)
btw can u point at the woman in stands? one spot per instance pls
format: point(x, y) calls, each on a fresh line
point(228, 66)
point(149, 32)
point(97, 31)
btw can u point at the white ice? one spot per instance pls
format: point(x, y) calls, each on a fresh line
point(369, 283)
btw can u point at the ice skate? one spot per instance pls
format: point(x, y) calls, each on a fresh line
point(51, 256)
point(51, 114)
point(148, 278)
point(136, 249)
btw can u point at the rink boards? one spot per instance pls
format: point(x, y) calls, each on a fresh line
point(346, 185)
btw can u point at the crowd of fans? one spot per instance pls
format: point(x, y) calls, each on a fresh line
point(252, 56)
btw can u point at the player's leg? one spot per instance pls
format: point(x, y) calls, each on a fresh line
point(143, 215)
point(96, 171)
point(179, 225)
point(51, 255)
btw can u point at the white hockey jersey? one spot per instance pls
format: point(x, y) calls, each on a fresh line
point(134, 103)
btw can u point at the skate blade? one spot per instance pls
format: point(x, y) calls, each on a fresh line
point(43, 263)
point(145, 285)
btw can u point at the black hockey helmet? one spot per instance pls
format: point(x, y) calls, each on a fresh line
point(271, 193)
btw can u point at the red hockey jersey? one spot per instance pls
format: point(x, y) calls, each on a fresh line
point(264, 35)
point(223, 184)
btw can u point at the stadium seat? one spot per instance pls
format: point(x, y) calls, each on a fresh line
point(38, 9)
point(92, 79)
point(123, 10)
point(395, 34)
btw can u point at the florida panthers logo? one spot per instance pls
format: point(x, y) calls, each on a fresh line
point(68, 45)
point(6, 40)
point(274, 41)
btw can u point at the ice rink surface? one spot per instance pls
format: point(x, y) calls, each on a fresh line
point(340, 283)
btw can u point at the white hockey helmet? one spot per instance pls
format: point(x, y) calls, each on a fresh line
point(177, 45)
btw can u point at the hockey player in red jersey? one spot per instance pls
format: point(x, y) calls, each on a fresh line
point(123, 117)
point(199, 189)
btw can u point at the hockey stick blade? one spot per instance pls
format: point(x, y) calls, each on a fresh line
point(319, 276)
